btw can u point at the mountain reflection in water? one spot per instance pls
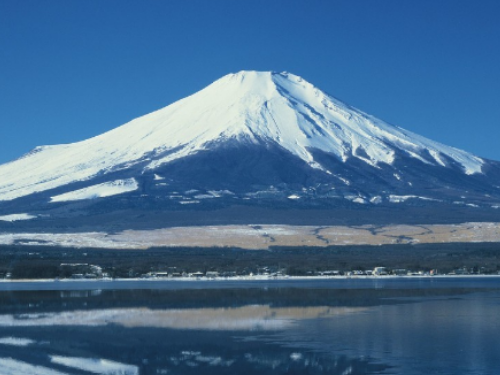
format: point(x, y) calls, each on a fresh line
point(246, 318)
point(281, 330)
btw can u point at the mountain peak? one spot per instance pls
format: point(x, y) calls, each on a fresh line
point(248, 107)
point(263, 83)
point(253, 74)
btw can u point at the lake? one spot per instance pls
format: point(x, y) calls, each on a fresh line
point(428, 325)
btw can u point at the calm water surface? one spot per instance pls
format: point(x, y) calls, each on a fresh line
point(365, 326)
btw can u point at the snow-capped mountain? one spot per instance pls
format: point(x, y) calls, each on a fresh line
point(252, 136)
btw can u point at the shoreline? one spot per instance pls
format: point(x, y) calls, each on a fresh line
point(334, 282)
point(248, 278)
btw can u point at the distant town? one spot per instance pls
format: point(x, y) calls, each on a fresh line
point(92, 271)
point(46, 262)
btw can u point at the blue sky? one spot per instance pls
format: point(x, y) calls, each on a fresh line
point(71, 69)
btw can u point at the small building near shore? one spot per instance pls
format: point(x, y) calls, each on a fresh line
point(380, 271)
point(196, 274)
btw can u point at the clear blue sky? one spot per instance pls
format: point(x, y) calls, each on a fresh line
point(70, 69)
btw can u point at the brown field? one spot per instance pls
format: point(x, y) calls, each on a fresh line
point(265, 236)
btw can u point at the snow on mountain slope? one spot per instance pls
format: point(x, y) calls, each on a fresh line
point(16, 217)
point(250, 107)
point(105, 189)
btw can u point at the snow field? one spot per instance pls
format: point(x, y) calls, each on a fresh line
point(106, 189)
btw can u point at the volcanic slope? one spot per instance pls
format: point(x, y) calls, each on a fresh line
point(250, 138)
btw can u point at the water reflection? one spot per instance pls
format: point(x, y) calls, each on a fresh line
point(79, 293)
point(245, 318)
point(187, 355)
point(247, 331)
